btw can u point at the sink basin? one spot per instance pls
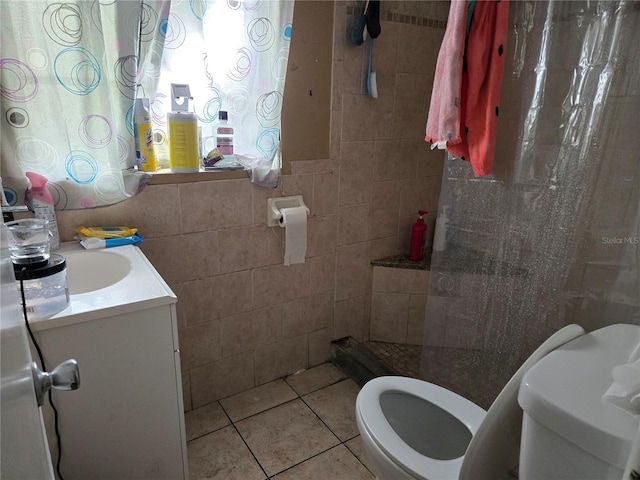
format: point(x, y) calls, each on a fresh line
point(89, 270)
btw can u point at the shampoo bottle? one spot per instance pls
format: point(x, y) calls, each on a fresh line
point(418, 235)
point(42, 203)
point(184, 153)
point(224, 134)
point(145, 153)
point(440, 235)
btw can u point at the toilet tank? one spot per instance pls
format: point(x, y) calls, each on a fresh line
point(568, 431)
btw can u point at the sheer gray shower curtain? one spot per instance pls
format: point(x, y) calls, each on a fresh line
point(552, 236)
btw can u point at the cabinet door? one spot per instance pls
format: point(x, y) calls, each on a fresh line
point(127, 419)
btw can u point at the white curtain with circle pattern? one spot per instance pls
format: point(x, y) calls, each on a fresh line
point(68, 76)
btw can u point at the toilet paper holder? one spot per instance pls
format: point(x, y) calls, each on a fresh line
point(274, 215)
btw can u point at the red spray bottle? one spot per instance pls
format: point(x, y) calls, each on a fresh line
point(418, 234)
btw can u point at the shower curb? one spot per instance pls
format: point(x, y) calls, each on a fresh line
point(357, 361)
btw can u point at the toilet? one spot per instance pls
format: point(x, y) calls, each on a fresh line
point(575, 432)
point(412, 429)
point(396, 418)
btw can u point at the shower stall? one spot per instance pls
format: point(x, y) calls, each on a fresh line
point(552, 236)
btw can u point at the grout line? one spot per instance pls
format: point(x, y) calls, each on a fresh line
point(250, 451)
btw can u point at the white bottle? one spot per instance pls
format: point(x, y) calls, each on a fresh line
point(440, 235)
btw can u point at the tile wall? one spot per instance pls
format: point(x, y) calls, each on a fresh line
point(398, 303)
point(244, 318)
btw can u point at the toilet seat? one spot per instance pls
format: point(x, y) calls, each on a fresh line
point(387, 440)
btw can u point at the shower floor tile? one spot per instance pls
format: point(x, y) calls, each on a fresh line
point(402, 358)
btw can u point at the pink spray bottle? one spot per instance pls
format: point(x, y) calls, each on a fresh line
point(42, 204)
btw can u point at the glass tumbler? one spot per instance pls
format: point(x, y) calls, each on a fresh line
point(28, 241)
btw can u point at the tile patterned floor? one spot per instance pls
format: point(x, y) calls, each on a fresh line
point(301, 427)
point(403, 358)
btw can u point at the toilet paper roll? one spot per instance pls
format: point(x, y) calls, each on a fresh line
point(294, 221)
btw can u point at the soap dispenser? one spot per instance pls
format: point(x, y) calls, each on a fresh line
point(440, 235)
point(418, 234)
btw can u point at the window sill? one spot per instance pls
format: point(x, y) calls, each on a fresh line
point(166, 176)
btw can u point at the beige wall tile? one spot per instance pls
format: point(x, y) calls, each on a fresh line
point(216, 297)
point(383, 248)
point(385, 57)
point(384, 208)
point(299, 185)
point(418, 43)
point(325, 198)
point(214, 205)
point(279, 283)
point(222, 378)
point(430, 162)
point(245, 332)
point(420, 194)
point(410, 107)
point(249, 247)
point(260, 196)
point(353, 275)
point(400, 280)
point(320, 346)
point(176, 267)
point(155, 212)
point(354, 67)
point(307, 315)
point(322, 274)
point(395, 159)
point(353, 224)
point(305, 167)
point(389, 317)
point(415, 327)
point(200, 344)
point(365, 118)
point(349, 317)
point(404, 231)
point(321, 235)
point(281, 358)
point(356, 163)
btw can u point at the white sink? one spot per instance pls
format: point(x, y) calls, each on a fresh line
point(107, 282)
point(90, 270)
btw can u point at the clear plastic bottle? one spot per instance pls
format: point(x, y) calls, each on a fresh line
point(224, 134)
point(440, 235)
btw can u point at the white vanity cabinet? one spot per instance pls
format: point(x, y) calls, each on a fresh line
point(126, 420)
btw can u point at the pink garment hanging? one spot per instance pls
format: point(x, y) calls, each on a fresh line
point(480, 86)
point(443, 122)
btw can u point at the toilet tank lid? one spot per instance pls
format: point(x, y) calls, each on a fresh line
point(564, 390)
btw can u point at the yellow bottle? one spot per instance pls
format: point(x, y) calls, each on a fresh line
point(145, 152)
point(184, 154)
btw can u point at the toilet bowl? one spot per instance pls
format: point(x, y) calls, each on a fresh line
point(410, 427)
